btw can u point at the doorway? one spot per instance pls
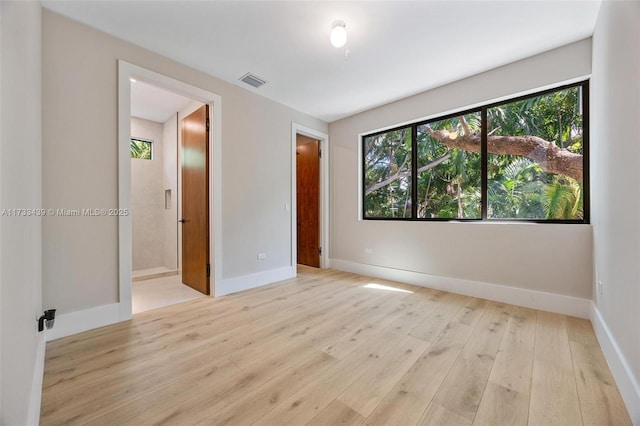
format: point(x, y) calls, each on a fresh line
point(308, 200)
point(127, 75)
point(313, 146)
point(169, 141)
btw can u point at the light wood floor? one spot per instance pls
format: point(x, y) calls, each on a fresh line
point(328, 348)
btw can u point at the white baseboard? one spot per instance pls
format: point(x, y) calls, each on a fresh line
point(99, 316)
point(627, 383)
point(246, 282)
point(550, 302)
point(87, 319)
point(33, 416)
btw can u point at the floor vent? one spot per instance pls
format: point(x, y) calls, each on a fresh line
point(252, 80)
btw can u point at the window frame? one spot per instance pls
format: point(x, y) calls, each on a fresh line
point(149, 141)
point(482, 110)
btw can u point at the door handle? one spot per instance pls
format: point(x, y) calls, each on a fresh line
point(183, 220)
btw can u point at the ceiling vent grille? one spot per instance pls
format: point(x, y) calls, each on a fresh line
point(252, 80)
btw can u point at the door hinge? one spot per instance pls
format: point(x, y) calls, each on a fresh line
point(319, 251)
point(208, 270)
point(319, 152)
point(207, 124)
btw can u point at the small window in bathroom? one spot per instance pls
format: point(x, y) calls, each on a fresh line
point(141, 148)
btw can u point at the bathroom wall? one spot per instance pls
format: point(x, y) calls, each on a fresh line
point(170, 182)
point(147, 198)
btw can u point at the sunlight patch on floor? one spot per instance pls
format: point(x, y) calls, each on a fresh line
point(385, 287)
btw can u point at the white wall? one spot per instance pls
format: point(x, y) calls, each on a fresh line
point(541, 257)
point(147, 198)
point(22, 348)
point(170, 182)
point(615, 145)
point(80, 100)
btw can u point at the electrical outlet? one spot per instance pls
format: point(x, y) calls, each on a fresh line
point(599, 288)
point(368, 251)
point(262, 256)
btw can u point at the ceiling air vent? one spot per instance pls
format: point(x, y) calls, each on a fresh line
point(252, 80)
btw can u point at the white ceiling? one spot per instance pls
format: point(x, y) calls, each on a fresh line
point(397, 48)
point(155, 104)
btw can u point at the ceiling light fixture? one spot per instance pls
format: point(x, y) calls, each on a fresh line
point(133, 80)
point(338, 36)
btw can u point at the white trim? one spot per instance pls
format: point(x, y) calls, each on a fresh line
point(33, 415)
point(124, 191)
point(360, 178)
point(627, 383)
point(86, 319)
point(299, 129)
point(125, 72)
point(246, 282)
point(558, 303)
point(215, 195)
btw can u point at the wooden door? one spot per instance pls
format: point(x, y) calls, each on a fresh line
point(308, 200)
point(195, 200)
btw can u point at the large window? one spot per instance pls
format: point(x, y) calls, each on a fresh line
point(522, 159)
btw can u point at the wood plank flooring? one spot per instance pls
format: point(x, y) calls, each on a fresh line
point(326, 349)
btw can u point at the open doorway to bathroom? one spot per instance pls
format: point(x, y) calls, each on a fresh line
point(156, 138)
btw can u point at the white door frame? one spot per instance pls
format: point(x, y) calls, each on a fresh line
point(298, 129)
point(126, 72)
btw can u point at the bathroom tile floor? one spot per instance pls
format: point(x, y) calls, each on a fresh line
point(159, 292)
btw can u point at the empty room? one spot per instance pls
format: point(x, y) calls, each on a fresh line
point(322, 213)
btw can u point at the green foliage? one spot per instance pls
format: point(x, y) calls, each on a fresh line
point(563, 200)
point(387, 155)
point(141, 149)
point(518, 188)
point(451, 189)
point(555, 117)
point(514, 186)
point(449, 180)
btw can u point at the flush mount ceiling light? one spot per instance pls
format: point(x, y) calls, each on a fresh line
point(338, 36)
